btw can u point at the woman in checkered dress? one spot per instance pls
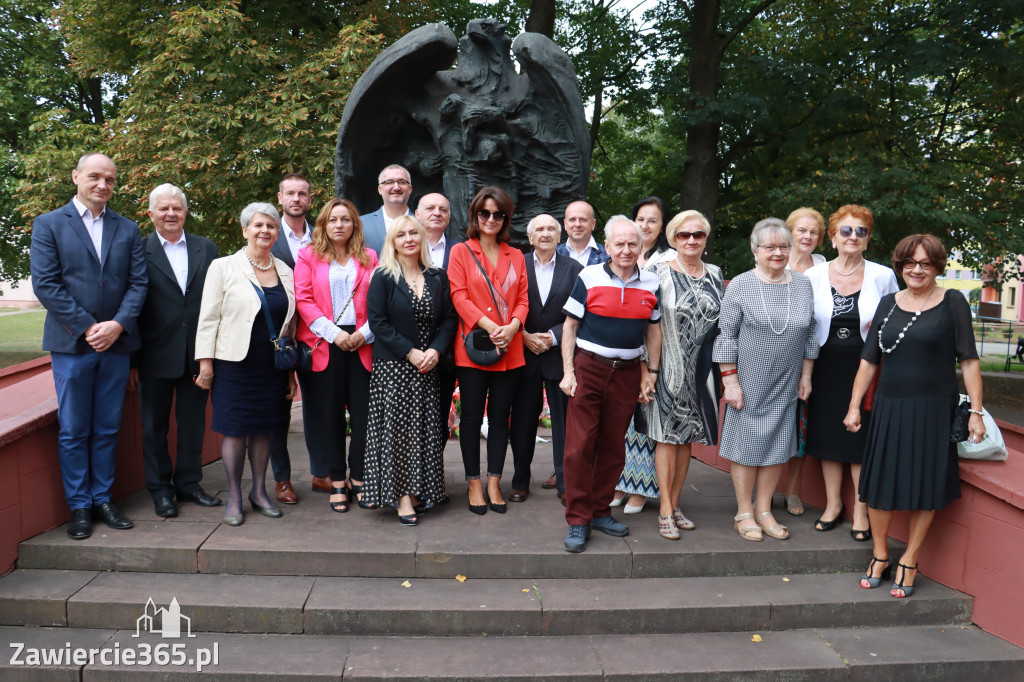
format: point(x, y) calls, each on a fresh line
point(765, 349)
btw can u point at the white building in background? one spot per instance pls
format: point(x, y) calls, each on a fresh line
point(21, 296)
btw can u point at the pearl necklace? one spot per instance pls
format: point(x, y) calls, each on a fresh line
point(695, 290)
point(789, 304)
point(904, 330)
point(847, 274)
point(256, 265)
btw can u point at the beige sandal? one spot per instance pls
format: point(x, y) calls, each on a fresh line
point(667, 528)
point(747, 533)
point(777, 531)
point(794, 505)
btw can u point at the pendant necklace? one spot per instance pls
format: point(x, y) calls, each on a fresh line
point(764, 304)
point(904, 330)
point(256, 265)
point(847, 274)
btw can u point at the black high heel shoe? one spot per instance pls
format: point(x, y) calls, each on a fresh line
point(408, 520)
point(875, 582)
point(340, 507)
point(478, 509)
point(898, 585)
point(357, 490)
point(822, 525)
point(272, 512)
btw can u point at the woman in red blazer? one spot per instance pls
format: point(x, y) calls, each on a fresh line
point(332, 276)
point(490, 216)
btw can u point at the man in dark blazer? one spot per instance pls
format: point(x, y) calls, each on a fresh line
point(434, 213)
point(89, 271)
point(394, 184)
point(176, 264)
point(580, 244)
point(294, 194)
point(550, 279)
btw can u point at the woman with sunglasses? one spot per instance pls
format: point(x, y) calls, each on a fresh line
point(808, 229)
point(846, 295)
point(685, 405)
point(909, 462)
point(489, 291)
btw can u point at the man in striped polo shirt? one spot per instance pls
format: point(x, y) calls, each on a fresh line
point(611, 313)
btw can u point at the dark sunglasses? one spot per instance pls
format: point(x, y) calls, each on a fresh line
point(698, 236)
point(484, 215)
point(910, 264)
point(846, 231)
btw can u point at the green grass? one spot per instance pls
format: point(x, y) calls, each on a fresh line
point(21, 336)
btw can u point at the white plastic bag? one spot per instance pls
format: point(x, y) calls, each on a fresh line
point(991, 448)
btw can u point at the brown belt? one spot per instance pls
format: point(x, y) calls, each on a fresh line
point(614, 364)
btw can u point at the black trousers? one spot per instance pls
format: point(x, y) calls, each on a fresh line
point(165, 478)
point(344, 383)
point(280, 460)
point(446, 381)
point(497, 390)
point(526, 409)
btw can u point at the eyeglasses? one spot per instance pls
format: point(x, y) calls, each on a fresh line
point(772, 249)
point(698, 236)
point(484, 215)
point(400, 183)
point(925, 265)
point(847, 230)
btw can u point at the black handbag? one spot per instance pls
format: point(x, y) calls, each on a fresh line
point(289, 355)
point(479, 347)
point(958, 429)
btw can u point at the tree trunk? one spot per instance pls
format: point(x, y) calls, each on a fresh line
point(94, 100)
point(700, 173)
point(542, 18)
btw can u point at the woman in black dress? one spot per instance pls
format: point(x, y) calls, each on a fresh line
point(413, 320)
point(909, 462)
point(233, 344)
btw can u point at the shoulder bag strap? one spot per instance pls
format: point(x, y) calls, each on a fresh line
point(266, 312)
point(487, 279)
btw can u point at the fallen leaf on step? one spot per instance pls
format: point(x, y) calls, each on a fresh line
point(756, 638)
point(407, 584)
point(785, 580)
point(526, 589)
point(461, 578)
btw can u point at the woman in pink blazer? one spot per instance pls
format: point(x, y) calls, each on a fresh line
point(332, 276)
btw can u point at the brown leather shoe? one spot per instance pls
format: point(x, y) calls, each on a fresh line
point(518, 495)
point(285, 492)
point(321, 485)
point(549, 483)
point(561, 498)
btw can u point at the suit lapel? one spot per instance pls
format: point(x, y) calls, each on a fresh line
point(78, 227)
point(195, 256)
point(158, 258)
point(109, 228)
point(557, 280)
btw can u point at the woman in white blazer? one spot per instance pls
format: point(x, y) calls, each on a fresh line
point(846, 294)
point(236, 354)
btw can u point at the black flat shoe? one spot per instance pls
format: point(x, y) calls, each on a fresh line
point(80, 526)
point(108, 514)
point(165, 507)
point(272, 512)
point(408, 520)
point(340, 507)
point(824, 526)
point(200, 497)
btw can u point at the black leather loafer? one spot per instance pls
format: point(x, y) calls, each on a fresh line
point(165, 507)
point(200, 497)
point(80, 526)
point(108, 514)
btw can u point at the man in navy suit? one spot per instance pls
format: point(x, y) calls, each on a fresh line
point(434, 213)
point(394, 184)
point(89, 271)
point(580, 244)
point(550, 278)
point(294, 194)
point(176, 265)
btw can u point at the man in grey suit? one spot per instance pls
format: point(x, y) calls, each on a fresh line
point(550, 278)
point(394, 184)
point(176, 265)
point(294, 194)
point(89, 271)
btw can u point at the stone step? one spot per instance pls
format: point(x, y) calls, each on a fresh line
point(908, 654)
point(525, 543)
point(474, 607)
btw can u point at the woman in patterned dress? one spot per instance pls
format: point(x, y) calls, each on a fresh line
point(685, 405)
point(413, 321)
point(639, 477)
point(765, 349)
point(331, 280)
point(808, 229)
point(846, 294)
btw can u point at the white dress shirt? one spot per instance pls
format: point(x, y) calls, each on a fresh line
point(545, 273)
point(437, 252)
point(296, 243)
point(93, 224)
point(583, 257)
point(342, 279)
point(177, 255)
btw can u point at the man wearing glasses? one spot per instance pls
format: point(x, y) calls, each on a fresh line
point(394, 184)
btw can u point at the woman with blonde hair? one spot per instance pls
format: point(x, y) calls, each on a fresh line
point(413, 321)
point(332, 276)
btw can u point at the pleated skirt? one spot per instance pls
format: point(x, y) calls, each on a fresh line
point(909, 463)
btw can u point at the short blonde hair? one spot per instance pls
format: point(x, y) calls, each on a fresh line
point(807, 212)
point(679, 219)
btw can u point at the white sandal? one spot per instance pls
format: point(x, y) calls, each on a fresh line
point(747, 533)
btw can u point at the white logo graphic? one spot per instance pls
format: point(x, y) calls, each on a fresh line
point(170, 620)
